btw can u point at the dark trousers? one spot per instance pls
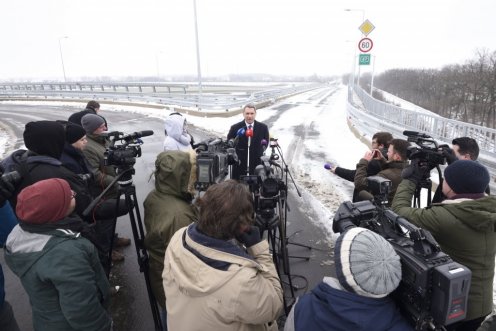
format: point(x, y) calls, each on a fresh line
point(7, 319)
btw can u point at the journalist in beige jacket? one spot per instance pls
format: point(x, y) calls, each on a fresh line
point(211, 282)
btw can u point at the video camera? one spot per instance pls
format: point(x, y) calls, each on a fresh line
point(123, 156)
point(426, 150)
point(433, 291)
point(268, 187)
point(214, 156)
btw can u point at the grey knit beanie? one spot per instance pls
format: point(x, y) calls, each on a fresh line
point(91, 122)
point(366, 264)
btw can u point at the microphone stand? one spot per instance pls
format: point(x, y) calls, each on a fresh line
point(248, 157)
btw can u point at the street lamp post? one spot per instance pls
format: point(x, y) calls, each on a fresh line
point(62, 57)
point(197, 51)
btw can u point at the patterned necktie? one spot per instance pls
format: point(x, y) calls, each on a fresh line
point(249, 127)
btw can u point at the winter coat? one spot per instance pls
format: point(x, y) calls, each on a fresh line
point(74, 160)
point(327, 308)
point(94, 153)
point(391, 170)
point(7, 222)
point(34, 168)
point(373, 167)
point(63, 277)
point(465, 230)
point(167, 209)
point(260, 132)
point(76, 117)
point(176, 138)
point(217, 286)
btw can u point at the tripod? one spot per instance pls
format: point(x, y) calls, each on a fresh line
point(127, 188)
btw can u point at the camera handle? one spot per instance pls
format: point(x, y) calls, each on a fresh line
point(129, 191)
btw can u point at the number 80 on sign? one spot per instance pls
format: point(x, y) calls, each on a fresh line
point(365, 45)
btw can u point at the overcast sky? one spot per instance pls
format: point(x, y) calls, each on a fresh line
point(283, 37)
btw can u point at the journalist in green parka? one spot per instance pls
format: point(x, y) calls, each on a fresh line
point(463, 225)
point(167, 209)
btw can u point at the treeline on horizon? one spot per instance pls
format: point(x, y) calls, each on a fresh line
point(465, 92)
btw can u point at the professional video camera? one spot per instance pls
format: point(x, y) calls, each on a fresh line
point(433, 291)
point(426, 150)
point(214, 156)
point(123, 156)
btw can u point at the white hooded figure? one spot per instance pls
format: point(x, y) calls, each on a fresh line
point(176, 136)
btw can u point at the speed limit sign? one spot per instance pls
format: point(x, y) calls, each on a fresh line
point(365, 45)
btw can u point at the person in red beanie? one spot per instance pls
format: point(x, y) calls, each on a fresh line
point(58, 267)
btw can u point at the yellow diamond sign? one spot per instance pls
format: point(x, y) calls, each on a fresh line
point(366, 27)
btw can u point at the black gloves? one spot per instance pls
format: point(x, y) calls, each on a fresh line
point(416, 171)
point(448, 154)
point(250, 237)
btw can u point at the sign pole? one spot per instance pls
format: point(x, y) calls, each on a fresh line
point(372, 79)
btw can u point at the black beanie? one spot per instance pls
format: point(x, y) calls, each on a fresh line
point(73, 133)
point(466, 176)
point(45, 138)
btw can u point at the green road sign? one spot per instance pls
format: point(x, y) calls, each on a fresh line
point(364, 59)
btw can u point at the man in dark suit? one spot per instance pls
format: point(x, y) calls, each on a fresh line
point(260, 132)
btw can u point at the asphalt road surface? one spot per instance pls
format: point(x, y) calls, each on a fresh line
point(130, 306)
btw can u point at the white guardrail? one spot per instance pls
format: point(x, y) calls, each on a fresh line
point(213, 97)
point(376, 115)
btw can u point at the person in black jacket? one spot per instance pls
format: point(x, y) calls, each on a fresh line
point(464, 148)
point(92, 107)
point(256, 150)
point(72, 155)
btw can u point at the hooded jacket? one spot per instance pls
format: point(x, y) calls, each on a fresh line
point(329, 308)
point(167, 209)
point(62, 275)
point(216, 286)
point(465, 230)
point(176, 139)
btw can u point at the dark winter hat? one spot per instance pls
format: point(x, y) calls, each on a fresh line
point(467, 176)
point(45, 138)
point(366, 264)
point(45, 201)
point(93, 105)
point(91, 122)
point(73, 133)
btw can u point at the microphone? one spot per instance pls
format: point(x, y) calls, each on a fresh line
point(328, 166)
point(264, 145)
point(415, 133)
point(249, 133)
point(239, 133)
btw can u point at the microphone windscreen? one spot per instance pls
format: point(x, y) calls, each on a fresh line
point(263, 142)
point(249, 133)
point(328, 166)
point(241, 132)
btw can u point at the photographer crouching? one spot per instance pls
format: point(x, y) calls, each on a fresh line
point(463, 225)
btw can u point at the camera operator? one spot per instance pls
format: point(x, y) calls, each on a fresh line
point(167, 209)
point(463, 225)
point(214, 283)
point(95, 125)
point(464, 148)
point(57, 265)
point(259, 132)
point(391, 169)
point(362, 287)
point(380, 141)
